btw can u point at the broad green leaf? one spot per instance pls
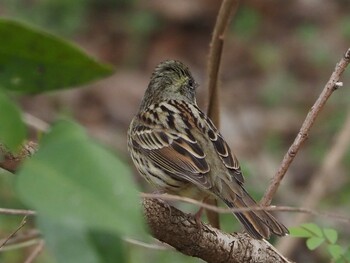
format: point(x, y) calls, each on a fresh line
point(300, 232)
point(314, 242)
point(331, 235)
point(336, 251)
point(110, 248)
point(34, 61)
point(68, 244)
point(347, 254)
point(12, 128)
point(75, 181)
point(313, 228)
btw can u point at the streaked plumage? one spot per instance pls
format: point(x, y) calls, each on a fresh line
point(177, 148)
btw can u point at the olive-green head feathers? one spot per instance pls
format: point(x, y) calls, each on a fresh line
point(171, 79)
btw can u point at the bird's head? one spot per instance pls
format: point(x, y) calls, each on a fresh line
point(171, 79)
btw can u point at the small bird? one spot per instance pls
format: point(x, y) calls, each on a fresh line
point(177, 148)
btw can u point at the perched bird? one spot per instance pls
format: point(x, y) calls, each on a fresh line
point(177, 148)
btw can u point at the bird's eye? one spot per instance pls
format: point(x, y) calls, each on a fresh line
point(191, 83)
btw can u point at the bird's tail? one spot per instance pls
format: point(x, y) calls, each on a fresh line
point(259, 223)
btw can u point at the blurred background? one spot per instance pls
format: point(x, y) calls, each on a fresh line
point(277, 57)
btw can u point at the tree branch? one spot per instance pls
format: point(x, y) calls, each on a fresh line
point(36, 251)
point(8, 211)
point(331, 86)
point(4, 242)
point(228, 7)
point(322, 179)
point(10, 161)
point(196, 239)
point(21, 240)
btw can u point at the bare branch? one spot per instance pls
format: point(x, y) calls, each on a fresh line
point(35, 122)
point(196, 239)
point(35, 253)
point(24, 221)
point(228, 7)
point(21, 212)
point(10, 162)
point(323, 178)
point(332, 85)
point(146, 245)
point(21, 240)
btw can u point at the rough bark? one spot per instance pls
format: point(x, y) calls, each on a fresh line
point(196, 239)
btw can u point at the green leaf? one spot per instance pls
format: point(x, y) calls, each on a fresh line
point(314, 242)
point(69, 244)
point(109, 247)
point(34, 61)
point(73, 180)
point(12, 128)
point(313, 228)
point(72, 244)
point(336, 251)
point(347, 254)
point(331, 235)
point(300, 232)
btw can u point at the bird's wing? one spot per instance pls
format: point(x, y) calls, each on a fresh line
point(223, 150)
point(177, 154)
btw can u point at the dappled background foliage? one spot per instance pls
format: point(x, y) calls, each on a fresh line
point(277, 57)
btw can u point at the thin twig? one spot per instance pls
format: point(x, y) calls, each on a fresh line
point(35, 122)
point(322, 179)
point(35, 253)
point(23, 244)
point(18, 212)
point(331, 86)
point(21, 240)
point(221, 210)
point(228, 7)
point(24, 221)
point(147, 245)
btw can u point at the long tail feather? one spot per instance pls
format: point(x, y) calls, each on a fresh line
point(259, 223)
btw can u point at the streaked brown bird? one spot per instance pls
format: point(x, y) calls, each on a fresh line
point(177, 148)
